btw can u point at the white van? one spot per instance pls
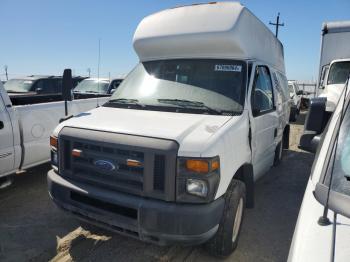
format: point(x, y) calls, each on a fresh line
point(173, 155)
point(322, 232)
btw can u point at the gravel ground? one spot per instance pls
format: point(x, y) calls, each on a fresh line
point(33, 229)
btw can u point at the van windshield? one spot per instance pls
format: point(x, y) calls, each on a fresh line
point(18, 85)
point(339, 73)
point(186, 83)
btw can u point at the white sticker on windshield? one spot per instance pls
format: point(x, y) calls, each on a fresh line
point(228, 68)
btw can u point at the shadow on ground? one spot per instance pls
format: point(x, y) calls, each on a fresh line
point(301, 118)
point(29, 222)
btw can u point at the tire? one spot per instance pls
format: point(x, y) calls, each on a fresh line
point(278, 153)
point(226, 238)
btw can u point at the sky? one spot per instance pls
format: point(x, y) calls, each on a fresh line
point(46, 36)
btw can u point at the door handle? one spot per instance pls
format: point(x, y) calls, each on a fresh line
point(1, 125)
point(275, 133)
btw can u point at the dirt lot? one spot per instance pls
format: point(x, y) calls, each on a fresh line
point(33, 229)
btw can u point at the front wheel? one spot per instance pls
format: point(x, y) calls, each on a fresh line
point(226, 238)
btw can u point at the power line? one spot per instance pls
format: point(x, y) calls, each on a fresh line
point(277, 24)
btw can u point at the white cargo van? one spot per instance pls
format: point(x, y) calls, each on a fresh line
point(334, 61)
point(322, 232)
point(173, 155)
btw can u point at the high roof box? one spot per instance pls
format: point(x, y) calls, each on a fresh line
point(224, 30)
point(336, 27)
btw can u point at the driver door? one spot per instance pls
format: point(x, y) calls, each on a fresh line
point(264, 121)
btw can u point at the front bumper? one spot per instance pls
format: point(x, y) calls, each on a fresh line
point(150, 220)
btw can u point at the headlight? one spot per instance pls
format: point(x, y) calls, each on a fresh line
point(54, 153)
point(197, 179)
point(197, 187)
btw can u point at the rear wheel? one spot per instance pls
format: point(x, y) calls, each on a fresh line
point(226, 238)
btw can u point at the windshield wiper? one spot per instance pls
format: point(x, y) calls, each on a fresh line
point(190, 104)
point(125, 101)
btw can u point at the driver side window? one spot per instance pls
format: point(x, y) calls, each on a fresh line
point(262, 95)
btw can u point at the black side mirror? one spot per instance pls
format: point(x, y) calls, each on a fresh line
point(300, 93)
point(316, 120)
point(67, 85)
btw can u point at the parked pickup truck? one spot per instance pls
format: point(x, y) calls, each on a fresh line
point(25, 130)
point(101, 86)
point(173, 155)
point(36, 85)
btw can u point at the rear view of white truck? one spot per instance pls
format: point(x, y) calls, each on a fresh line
point(173, 155)
point(333, 74)
point(334, 61)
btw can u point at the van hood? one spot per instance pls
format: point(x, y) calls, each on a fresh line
point(332, 93)
point(191, 131)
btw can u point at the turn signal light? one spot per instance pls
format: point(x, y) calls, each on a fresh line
point(76, 152)
point(202, 165)
point(196, 165)
point(133, 163)
point(215, 165)
point(54, 141)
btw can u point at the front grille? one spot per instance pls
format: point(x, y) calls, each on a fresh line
point(104, 157)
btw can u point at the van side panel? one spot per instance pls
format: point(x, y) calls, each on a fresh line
point(231, 143)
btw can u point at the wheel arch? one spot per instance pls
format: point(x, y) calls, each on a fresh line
point(246, 175)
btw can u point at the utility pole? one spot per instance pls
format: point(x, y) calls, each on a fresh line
point(277, 24)
point(7, 77)
point(89, 71)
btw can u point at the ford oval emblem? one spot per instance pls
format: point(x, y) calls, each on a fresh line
point(105, 165)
